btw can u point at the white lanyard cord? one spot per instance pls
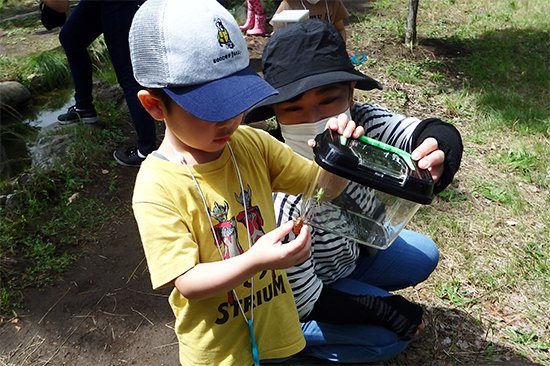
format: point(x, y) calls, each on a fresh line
point(184, 162)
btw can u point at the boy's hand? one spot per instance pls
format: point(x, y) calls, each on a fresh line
point(344, 126)
point(430, 157)
point(271, 253)
point(209, 279)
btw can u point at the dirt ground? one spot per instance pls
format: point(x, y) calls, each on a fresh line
point(104, 312)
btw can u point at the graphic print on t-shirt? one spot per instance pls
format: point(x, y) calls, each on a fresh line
point(254, 218)
point(227, 237)
point(252, 215)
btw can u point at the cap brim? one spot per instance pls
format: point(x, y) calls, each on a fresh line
point(222, 99)
point(264, 111)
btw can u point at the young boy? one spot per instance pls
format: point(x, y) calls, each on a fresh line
point(341, 291)
point(202, 201)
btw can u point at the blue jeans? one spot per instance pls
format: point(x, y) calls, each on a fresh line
point(408, 261)
point(88, 20)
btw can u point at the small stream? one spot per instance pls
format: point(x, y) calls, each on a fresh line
point(17, 133)
point(47, 117)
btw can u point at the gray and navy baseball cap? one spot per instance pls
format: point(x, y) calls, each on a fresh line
point(195, 51)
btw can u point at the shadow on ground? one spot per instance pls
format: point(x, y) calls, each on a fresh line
point(453, 337)
point(504, 69)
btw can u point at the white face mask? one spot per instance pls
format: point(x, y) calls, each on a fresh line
point(296, 136)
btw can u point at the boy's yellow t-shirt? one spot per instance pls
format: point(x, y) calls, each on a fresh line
point(177, 235)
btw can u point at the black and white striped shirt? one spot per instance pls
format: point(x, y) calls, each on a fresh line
point(333, 257)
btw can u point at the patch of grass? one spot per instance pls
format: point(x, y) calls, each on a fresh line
point(435, 67)
point(529, 161)
point(489, 64)
point(398, 96)
point(460, 103)
point(8, 68)
point(499, 192)
point(405, 71)
point(539, 251)
point(50, 68)
point(513, 62)
point(528, 339)
point(22, 26)
point(452, 293)
point(99, 55)
point(47, 262)
point(9, 8)
point(382, 5)
point(453, 195)
point(51, 216)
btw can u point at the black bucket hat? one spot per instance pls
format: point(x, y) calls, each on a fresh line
point(303, 56)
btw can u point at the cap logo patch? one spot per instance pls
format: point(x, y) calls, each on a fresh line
point(223, 35)
point(225, 41)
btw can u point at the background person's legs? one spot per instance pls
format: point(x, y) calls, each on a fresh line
point(81, 29)
point(116, 19)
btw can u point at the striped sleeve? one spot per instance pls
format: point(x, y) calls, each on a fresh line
point(386, 126)
point(332, 257)
point(305, 284)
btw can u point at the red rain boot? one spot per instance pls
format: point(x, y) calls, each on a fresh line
point(259, 27)
point(249, 24)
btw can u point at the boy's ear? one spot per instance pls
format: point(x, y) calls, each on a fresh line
point(152, 104)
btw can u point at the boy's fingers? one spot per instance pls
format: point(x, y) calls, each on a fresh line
point(300, 247)
point(280, 232)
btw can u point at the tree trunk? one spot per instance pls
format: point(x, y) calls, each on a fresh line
point(410, 35)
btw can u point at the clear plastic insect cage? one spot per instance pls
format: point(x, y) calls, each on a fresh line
point(367, 190)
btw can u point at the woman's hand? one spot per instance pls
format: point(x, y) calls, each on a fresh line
point(60, 6)
point(344, 126)
point(429, 157)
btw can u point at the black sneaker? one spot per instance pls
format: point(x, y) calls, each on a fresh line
point(74, 115)
point(128, 157)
